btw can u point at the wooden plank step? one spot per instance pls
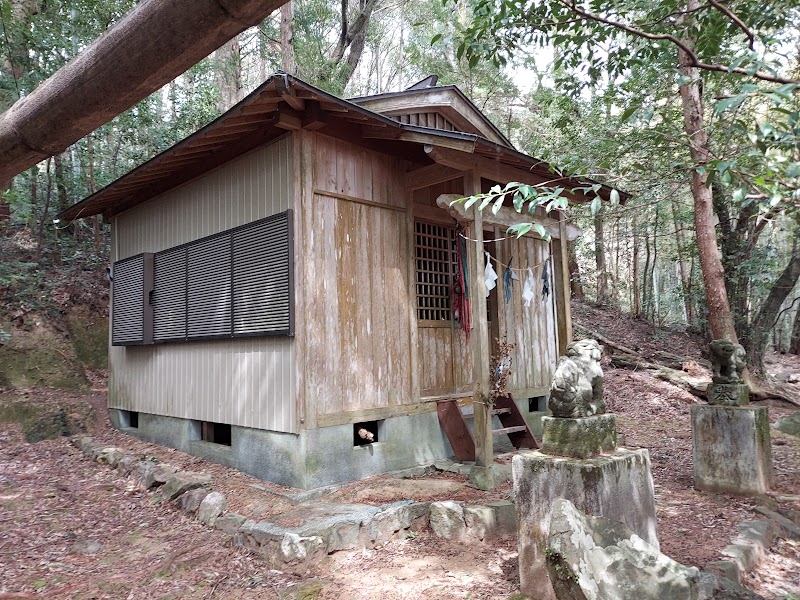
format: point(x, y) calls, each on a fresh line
point(507, 430)
point(495, 411)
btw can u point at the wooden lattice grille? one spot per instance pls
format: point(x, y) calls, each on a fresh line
point(435, 266)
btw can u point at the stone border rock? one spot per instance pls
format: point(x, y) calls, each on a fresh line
point(752, 543)
point(326, 528)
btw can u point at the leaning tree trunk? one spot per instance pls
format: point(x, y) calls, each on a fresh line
point(150, 46)
point(764, 322)
point(719, 311)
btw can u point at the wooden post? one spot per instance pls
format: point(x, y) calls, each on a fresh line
point(481, 475)
point(561, 285)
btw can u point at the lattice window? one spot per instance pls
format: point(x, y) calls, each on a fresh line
point(436, 264)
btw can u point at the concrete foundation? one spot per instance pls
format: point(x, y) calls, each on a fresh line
point(617, 486)
point(731, 449)
point(314, 457)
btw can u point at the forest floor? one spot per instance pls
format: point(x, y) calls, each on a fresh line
point(74, 529)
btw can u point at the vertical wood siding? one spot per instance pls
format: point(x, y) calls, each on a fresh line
point(355, 268)
point(532, 328)
point(248, 382)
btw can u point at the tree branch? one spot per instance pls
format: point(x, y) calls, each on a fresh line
point(728, 13)
point(694, 61)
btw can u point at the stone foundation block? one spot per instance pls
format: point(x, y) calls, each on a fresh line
point(579, 438)
point(728, 394)
point(731, 449)
point(617, 486)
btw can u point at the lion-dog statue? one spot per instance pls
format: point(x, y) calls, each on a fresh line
point(577, 389)
point(727, 362)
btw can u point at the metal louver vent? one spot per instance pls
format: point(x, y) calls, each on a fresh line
point(262, 277)
point(169, 295)
point(209, 292)
point(128, 310)
point(235, 283)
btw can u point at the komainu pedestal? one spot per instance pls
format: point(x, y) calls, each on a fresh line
point(730, 440)
point(618, 486)
point(731, 449)
point(579, 461)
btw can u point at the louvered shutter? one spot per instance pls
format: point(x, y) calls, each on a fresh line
point(169, 295)
point(262, 277)
point(131, 317)
point(209, 292)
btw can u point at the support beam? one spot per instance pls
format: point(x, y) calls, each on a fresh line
point(150, 46)
point(430, 175)
point(481, 475)
point(561, 287)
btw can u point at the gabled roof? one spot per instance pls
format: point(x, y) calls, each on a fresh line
point(426, 97)
point(284, 103)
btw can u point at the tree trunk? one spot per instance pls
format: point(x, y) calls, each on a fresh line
point(61, 182)
point(686, 281)
point(353, 37)
point(45, 210)
point(764, 321)
point(150, 46)
point(288, 61)
point(794, 342)
point(600, 259)
point(575, 285)
point(229, 74)
point(719, 312)
point(636, 305)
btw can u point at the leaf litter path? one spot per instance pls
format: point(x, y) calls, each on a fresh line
point(55, 506)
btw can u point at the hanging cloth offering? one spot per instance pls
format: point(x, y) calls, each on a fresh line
point(489, 275)
point(545, 283)
point(528, 290)
point(508, 277)
point(461, 285)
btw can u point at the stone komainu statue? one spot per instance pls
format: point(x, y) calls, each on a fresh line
point(727, 362)
point(577, 389)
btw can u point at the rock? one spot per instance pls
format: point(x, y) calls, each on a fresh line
point(789, 425)
point(505, 515)
point(793, 378)
point(386, 523)
point(601, 559)
point(447, 520)
point(481, 522)
point(156, 476)
point(182, 482)
point(126, 464)
point(212, 506)
point(141, 468)
point(86, 444)
point(190, 501)
point(295, 547)
point(86, 547)
point(230, 523)
point(110, 456)
point(306, 590)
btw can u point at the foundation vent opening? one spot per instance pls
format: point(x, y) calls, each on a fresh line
point(129, 419)
point(365, 433)
point(537, 404)
point(215, 433)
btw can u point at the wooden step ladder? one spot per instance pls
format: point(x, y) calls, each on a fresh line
point(454, 424)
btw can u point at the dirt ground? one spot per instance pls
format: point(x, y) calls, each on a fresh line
point(70, 528)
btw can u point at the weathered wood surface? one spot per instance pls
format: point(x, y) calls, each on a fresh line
point(533, 328)
point(355, 257)
point(505, 217)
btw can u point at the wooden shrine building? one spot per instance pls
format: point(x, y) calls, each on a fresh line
point(283, 279)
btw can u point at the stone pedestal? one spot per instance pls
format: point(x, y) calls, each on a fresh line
point(618, 486)
point(579, 438)
point(728, 394)
point(731, 449)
